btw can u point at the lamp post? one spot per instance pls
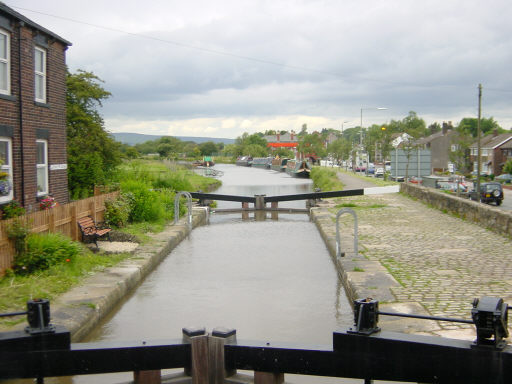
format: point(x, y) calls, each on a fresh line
point(342, 125)
point(361, 133)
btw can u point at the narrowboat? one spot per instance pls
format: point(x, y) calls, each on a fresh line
point(206, 162)
point(262, 162)
point(244, 161)
point(298, 168)
point(279, 165)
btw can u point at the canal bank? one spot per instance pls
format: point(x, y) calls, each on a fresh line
point(416, 259)
point(82, 308)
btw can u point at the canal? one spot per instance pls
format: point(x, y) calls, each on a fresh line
point(270, 280)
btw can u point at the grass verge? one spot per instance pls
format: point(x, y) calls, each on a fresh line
point(16, 290)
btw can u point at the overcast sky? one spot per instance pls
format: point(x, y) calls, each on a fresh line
point(221, 68)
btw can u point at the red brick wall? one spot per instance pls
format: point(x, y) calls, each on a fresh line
point(50, 117)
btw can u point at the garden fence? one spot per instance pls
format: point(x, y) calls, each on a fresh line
point(61, 219)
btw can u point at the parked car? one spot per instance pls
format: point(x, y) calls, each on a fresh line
point(450, 186)
point(505, 178)
point(491, 193)
point(379, 172)
point(415, 180)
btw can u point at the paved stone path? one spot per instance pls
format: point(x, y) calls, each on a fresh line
point(439, 261)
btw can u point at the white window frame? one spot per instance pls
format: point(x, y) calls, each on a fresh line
point(42, 165)
point(7, 61)
point(8, 168)
point(40, 75)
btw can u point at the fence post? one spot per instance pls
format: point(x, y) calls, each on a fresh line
point(147, 377)
point(51, 221)
point(74, 225)
point(218, 371)
point(92, 208)
point(198, 339)
point(268, 378)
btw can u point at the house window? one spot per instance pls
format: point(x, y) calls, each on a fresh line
point(455, 147)
point(42, 167)
point(6, 184)
point(5, 77)
point(40, 74)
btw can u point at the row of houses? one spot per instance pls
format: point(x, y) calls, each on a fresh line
point(33, 157)
point(495, 150)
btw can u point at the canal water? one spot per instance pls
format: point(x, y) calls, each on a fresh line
point(271, 280)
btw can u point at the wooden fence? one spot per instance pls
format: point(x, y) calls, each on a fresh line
point(60, 219)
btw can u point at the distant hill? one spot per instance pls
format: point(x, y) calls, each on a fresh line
point(137, 138)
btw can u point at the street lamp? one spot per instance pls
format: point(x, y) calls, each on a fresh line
point(361, 133)
point(342, 125)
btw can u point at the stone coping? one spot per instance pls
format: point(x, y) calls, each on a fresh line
point(82, 308)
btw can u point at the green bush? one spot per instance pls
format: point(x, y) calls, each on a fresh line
point(45, 250)
point(145, 204)
point(117, 211)
point(326, 179)
point(13, 209)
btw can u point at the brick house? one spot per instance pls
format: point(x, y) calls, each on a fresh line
point(493, 152)
point(440, 144)
point(32, 111)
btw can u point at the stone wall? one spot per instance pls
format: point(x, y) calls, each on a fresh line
point(488, 216)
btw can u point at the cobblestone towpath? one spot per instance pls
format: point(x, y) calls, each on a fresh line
point(416, 259)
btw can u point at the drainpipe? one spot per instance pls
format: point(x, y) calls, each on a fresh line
point(20, 25)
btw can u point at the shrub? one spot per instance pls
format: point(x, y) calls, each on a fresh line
point(45, 250)
point(13, 209)
point(18, 231)
point(145, 205)
point(117, 211)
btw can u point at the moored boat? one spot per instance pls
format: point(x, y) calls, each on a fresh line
point(298, 168)
point(208, 161)
point(261, 162)
point(279, 164)
point(244, 161)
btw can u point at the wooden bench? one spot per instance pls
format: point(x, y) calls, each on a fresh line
point(91, 231)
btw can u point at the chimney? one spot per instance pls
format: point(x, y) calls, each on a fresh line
point(495, 132)
point(445, 128)
point(278, 137)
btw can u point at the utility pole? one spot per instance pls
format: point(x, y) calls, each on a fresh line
point(479, 159)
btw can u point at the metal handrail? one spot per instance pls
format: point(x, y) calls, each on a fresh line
point(338, 237)
point(177, 207)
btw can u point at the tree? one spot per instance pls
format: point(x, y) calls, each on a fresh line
point(253, 145)
point(311, 144)
point(92, 152)
point(415, 128)
point(339, 149)
point(208, 148)
point(507, 168)
point(469, 125)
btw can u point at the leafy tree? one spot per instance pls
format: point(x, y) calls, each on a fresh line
point(132, 153)
point(311, 144)
point(165, 149)
point(283, 153)
point(339, 149)
point(415, 128)
point(434, 127)
point(248, 145)
point(487, 125)
point(92, 152)
point(208, 148)
point(507, 168)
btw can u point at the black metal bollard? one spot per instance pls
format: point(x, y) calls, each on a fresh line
point(366, 316)
point(38, 316)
